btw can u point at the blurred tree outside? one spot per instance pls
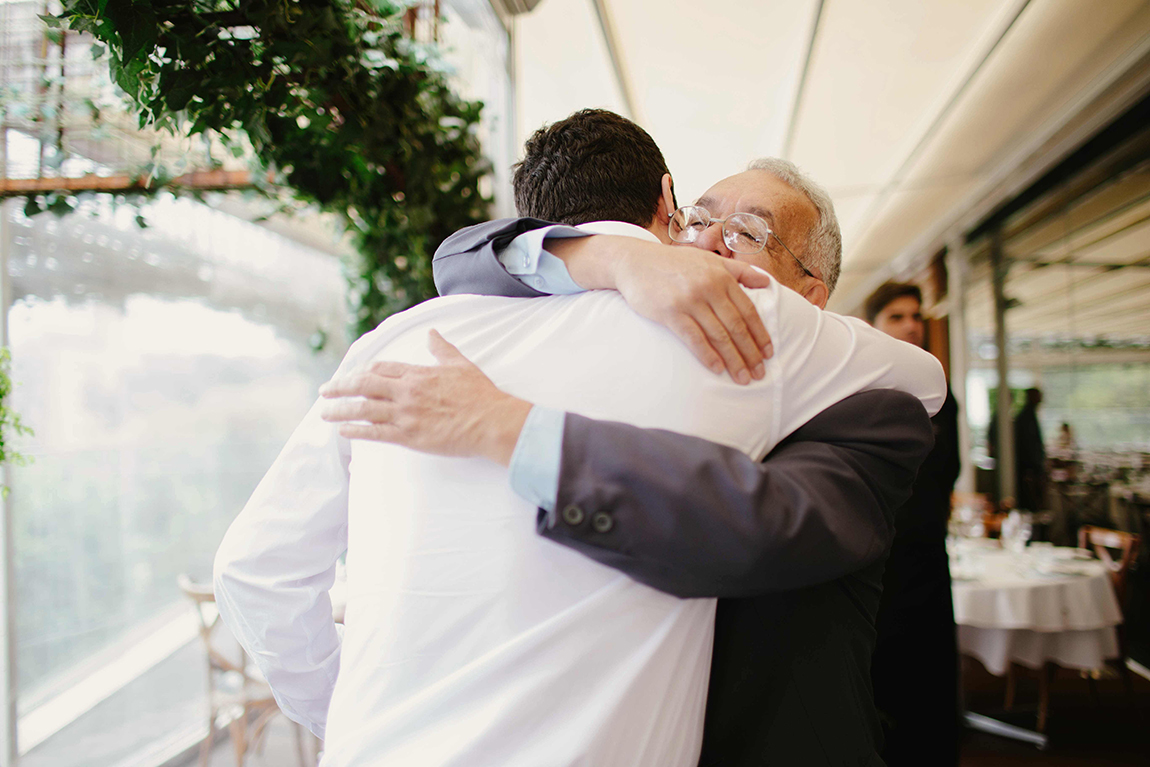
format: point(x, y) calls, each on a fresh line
point(1107, 405)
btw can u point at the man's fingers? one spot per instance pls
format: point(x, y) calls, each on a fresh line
point(360, 384)
point(750, 277)
point(444, 351)
point(736, 326)
point(746, 274)
point(356, 409)
point(389, 369)
point(754, 321)
point(720, 341)
point(692, 335)
point(366, 381)
point(373, 432)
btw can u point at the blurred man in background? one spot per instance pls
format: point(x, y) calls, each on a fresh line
point(915, 666)
point(1030, 454)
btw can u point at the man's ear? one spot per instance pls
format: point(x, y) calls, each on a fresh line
point(816, 292)
point(667, 204)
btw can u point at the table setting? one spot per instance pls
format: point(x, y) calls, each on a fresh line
point(1031, 603)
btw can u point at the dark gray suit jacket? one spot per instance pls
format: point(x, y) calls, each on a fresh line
point(794, 546)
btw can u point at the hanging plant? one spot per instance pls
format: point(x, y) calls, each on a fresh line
point(334, 100)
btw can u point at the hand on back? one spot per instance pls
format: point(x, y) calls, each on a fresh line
point(449, 409)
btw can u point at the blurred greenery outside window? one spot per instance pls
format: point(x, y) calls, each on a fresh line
point(1106, 404)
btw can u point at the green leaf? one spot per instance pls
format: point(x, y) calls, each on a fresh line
point(81, 24)
point(137, 26)
point(61, 205)
point(32, 206)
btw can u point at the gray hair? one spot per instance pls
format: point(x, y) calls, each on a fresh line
point(825, 242)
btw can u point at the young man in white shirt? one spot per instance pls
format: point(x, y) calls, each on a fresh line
point(469, 639)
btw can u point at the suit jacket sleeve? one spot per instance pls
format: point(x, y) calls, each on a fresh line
point(697, 519)
point(467, 261)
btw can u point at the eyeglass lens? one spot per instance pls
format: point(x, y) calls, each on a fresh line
point(742, 232)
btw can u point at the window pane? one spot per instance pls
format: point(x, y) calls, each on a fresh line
point(162, 369)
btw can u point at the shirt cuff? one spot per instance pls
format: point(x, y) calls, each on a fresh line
point(534, 468)
point(526, 260)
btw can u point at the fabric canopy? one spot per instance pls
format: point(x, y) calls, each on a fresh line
point(906, 111)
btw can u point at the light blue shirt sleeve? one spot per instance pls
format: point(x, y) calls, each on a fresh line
point(526, 260)
point(534, 468)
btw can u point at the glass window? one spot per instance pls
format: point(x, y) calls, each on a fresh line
point(162, 370)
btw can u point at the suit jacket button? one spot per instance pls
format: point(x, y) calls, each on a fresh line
point(602, 522)
point(573, 515)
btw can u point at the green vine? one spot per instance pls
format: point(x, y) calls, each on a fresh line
point(332, 97)
point(10, 425)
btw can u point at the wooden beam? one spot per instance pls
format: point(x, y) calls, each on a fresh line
point(203, 181)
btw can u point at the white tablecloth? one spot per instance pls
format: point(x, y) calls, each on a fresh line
point(1010, 612)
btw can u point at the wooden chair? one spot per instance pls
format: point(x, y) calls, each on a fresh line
point(1102, 541)
point(992, 523)
point(980, 502)
point(237, 698)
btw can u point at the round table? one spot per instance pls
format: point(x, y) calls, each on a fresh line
point(1033, 607)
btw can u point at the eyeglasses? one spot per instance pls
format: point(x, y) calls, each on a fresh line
point(743, 233)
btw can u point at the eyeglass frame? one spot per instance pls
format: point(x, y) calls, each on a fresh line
point(712, 220)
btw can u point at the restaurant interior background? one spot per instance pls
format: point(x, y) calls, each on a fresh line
point(997, 152)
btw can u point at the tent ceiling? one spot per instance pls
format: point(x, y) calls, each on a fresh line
point(907, 110)
point(1082, 271)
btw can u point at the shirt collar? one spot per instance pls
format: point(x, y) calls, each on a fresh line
point(620, 228)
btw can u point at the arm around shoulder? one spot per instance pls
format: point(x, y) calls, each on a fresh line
point(468, 261)
point(697, 519)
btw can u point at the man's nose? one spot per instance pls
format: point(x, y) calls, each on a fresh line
point(712, 239)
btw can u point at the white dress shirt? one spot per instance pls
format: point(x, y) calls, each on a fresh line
point(469, 639)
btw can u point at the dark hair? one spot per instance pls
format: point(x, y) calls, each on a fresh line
point(888, 292)
point(593, 166)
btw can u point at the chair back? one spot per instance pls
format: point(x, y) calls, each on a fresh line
point(238, 698)
point(204, 599)
point(1102, 541)
point(980, 502)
